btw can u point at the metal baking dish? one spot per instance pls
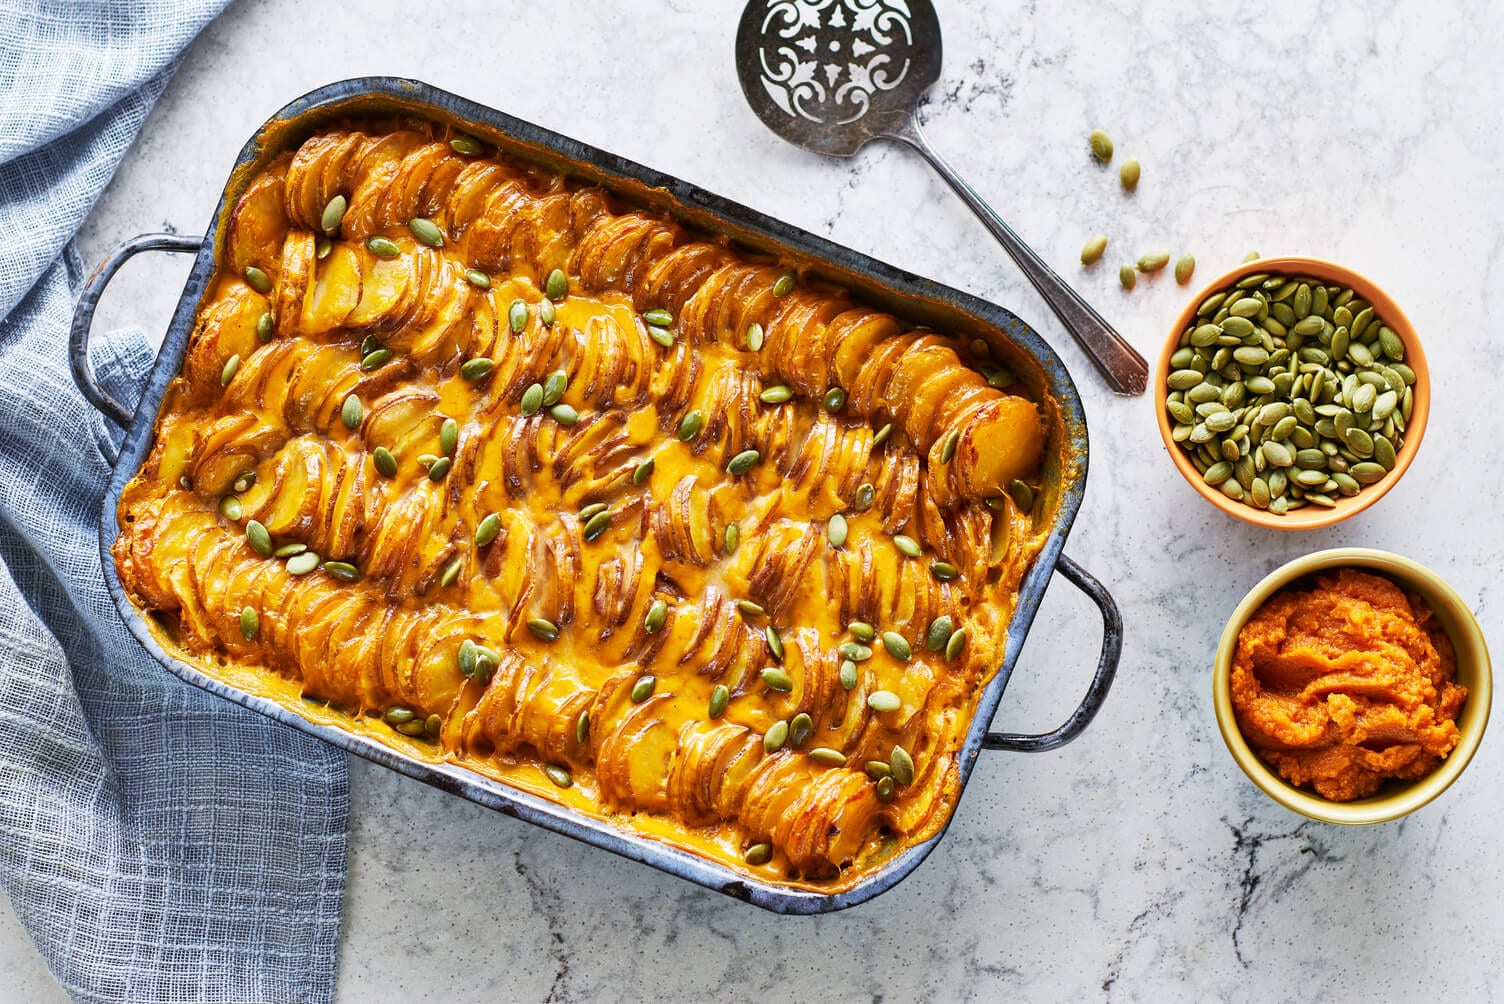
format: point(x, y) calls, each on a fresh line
point(905, 294)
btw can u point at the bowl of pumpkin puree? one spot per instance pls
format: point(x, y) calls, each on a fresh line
point(1352, 686)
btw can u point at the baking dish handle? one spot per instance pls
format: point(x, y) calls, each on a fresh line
point(1107, 667)
point(83, 317)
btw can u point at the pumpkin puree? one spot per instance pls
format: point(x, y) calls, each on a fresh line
point(1341, 686)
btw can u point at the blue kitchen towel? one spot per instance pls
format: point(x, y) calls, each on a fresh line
point(159, 844)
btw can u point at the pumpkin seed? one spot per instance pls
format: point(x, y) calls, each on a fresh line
point(322, 248)
point(906, 545)
point(288, 550)
point(956, 644)
point(1127, 277)
point(943, 570)
point(777, 680)
point(564, 414)
point(465, 658)
point(776, 395)
point(231, 367)
point(591, 509)
point(231, 509)
point(662, 336)
point(582, 727)
point(855, 651)
point(556, 286)
point(375, 360)
point(690, 426)
point(948, 446)
point(558, 775)
point(427, 232)
point(743, 462)
point(897, 646)
point(342, 570)
point(732, 537)
point(657, 616)
point(264, 327)
point(827, 757)
point(720, 697)
point(848, 674)
point(643, 688)
point(884, 700)
point(259, 538)
point(642, 471)
point(755, 337)
point(1185, 266)
point(412, 728)
point(1022, 495)
point(258, 280)
point(775, 642)
point(532, 399)
point(885, 790)
point(466, 145)
point(749, 608)
point(865, 493)
point(478, 279)
point(432, 726)
point(302, 564)
point(758, 854)
point(835, 400)
point(547, 313)
point(862, 631)
point(397, 715)
point(439, 469)
point(801, 727)
point(383, 247)
point(543, 628)
point(876, 770)
point(784, 285)
point(938, 635)
point(333, 215)
point(477, 369)
point(1153, 261)
point(554, 386)
point(351, 412)
point(250, 623)
point(449, 436)
point(1101, 145)
point(517, 316)
point(597, 525)
point(903, 766)
point(658, 316)
point(881, 436)
point(1128, 174)
point(835, 530)
point(487, 529)
point(1094, 249)
point(775, 737)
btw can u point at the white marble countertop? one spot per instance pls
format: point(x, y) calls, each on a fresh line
point(1138, 862)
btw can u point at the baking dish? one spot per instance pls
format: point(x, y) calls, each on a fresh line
point(913, 298)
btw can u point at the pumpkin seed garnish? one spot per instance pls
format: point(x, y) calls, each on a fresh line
point(876, 770)
point(556, 286)
point(543, 628)
point(855, 651)
point(862, 631)
point(884, 700)
point(885, 790)
point(487, 529)
point(264, 327)
point(956, 644)
point(449, 436)
point(897, 646)
point(342, 570)
point(375, 360)
point(881, 436)
point(397, 715)
point(743, 462)
point(642, 471)
point(775, 642)
point(749, 608)
point(564, 414)
point(351, 412)
point(948, 447)
point(801, 727)
point(451, 573)
point(532, 400)
point(1153, 261)
point(231, 367)
point(250, 623)
point(690, 426)
point(784, 285)
point(661, 336)
point(906, 545)
point(427, 232)
point(302, 564)
point(465, 145)
point(1101, 145)
point(775, 737)
point(776, 395)
point(440, 469)
point(835, 400)
point(719, 698)
point(1095, 246)
point(554, 386)
point(865, 494)
point(383, 247)
point(943, 570)
point(244, 483)
point(1128, 174)
point(755, 337)
point(903, 766)
point(758, 854)
point(333, 215)
point(465, 657)
point(259, 538)
point(643, 688)
point(582, 727)
point(777, 680)
point(1127, 277)
point(431, 726)
point(597, 525)
point(656, 616)
point(231, 509)
point(827, 757)
point(288, 550)
point(939, 633)
point(322, 248)
point(1185, 265)
point(547, 312)
point(258, 280)
point(835, 530)
point(478, 279)
point(733, 537)
point(384, 461)
point(848, 674)
point(1022, 495)
point(659, 317)
point(558, 775)
point(591, 509)
point(517, 316)
point(411, 728)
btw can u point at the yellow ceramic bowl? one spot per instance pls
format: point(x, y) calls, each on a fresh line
point(1309, 517)
point(1398, 798)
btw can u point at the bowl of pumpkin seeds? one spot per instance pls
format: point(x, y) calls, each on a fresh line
point(1292, 393)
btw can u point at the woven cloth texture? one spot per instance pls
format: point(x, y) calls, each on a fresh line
point(159, 844)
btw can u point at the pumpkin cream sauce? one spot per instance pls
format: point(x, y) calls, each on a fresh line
point(1345, 683)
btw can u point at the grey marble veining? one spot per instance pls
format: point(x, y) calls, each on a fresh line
point(1136, 863)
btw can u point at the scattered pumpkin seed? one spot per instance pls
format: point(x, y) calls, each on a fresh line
point(398, 715)
point(775, 642)
point(690, 426)
point(749, 608)
point(956, 644)
point(543, 628)
point(591, 509)
point(288, 550)
point(465, 145)
point(440, 469)
point(642, 471)
point(876, 770)
point(827, 757)
point(732, 537)
point(547, 313)
point(554, 386)
point(477, 369)
point(259, 538)
point(903, 766)
point(478, 279)
point(556, 286)
point(885, 790)
point(1129, 173)
point(333, 215)
point(1022, 495)
point(302, 564)
point(755, 337)
point(720, 697)
point(865, 494)
point(855, 651)
point(351, 412)
point(558, 775)
point(881, 436)
point(835, 530)
point(743, 462)
point(487, 529)
point(1101, 145)
point(451, 573)
point(643, 688)
point(258, 280)
point(1094, 249)
point(939, 633)
point(449, 436)
point(658, 316)
point(784, 285)
point(661, 336)
point(264, 327)
point(597, 525)
point(231, 509)
point(322, 248)
point(776, 395)
point(564, 414)
point(884, 700)
point(532, 400)
point(384, 462)
point(777, 680)
point(1127, 276)
point(906, 545)
point(250, 623)
point(862, 631)
point(383, 247)
point(231, 367)
point(517, 316)
point(775, 737)
point(1185, 266)
point(1153, 261)
point(943, 570)
point(948, 446)
point(848, 674)
point(427, 232)
point(342, 570)
point(835, 400)
point(656, 617)
point(375, 360)
point(758, 854)
point(897, 646)
point(801, 727)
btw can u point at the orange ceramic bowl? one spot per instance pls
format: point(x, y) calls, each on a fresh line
point(1308, 517)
